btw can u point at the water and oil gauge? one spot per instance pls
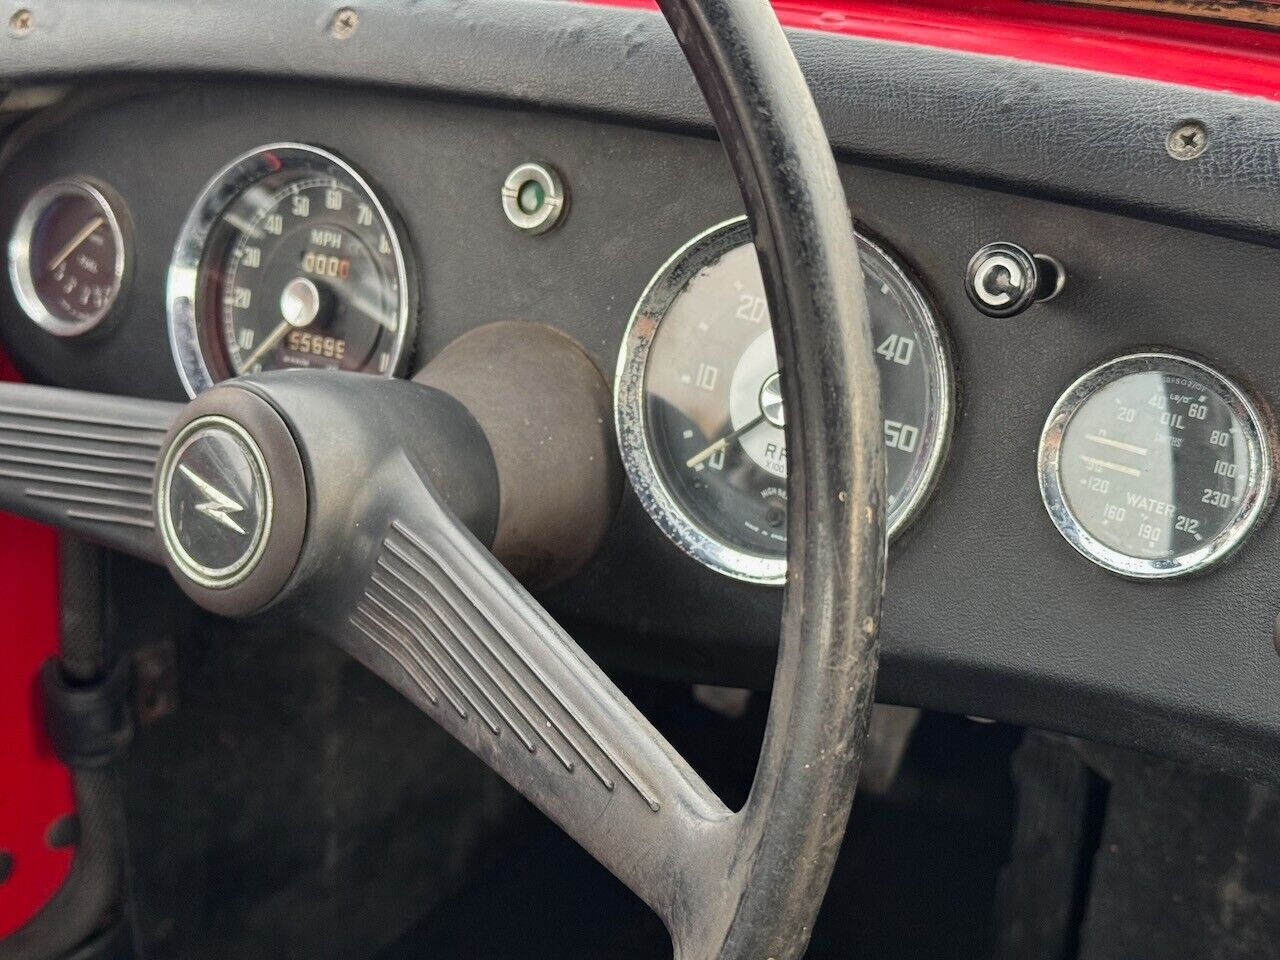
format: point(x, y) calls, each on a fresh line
point(1154, 465)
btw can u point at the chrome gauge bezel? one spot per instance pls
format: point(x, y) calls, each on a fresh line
point(189, 251)
point(1259, 492)
point(632, 425)
point(24, 284)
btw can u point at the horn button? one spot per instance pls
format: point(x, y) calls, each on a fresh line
point(229, 538)
point(215, 502)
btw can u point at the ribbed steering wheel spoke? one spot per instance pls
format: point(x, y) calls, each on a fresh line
point(84, 462)
point(442, 621)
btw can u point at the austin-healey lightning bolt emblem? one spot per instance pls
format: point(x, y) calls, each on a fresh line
point(219, 506)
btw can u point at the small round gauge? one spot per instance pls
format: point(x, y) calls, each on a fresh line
point(1153, 465)
point(288, 260)
point(67, 256)
point(699, 405)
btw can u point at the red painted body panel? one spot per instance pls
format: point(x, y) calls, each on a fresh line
point(35, 789)
point(1198, 53)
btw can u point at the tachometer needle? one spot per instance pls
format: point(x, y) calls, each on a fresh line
point(85, 232)
point(723, 442)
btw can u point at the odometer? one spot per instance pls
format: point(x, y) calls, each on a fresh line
point(699, 402)
point(289, 259)
point(1154, 465)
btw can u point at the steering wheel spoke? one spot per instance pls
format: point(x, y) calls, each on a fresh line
point(84, 462)
point(448, 626)
point(397, 570)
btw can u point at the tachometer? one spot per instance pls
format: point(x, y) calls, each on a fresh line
point(1154, 465)
point(289, 259)
point(699, 405)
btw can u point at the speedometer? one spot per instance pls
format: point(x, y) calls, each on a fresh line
point(699, 409)
point(1154, 465)
point(289, 259)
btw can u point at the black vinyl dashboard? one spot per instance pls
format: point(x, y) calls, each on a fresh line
point(989, 610)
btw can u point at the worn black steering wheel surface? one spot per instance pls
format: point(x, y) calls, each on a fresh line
point(365, 510)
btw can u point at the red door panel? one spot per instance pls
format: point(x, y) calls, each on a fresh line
point(35, 789)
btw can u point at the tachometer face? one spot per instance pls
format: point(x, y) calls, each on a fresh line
point(1153, 465)
point(288, 260)
point(699, 405)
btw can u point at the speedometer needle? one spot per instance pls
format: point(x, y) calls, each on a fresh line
point(723, 442)
point(85, 232)
point(274, 337)
point(300, 303)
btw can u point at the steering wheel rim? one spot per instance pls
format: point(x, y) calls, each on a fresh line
point(795, 817)
point(419, 599)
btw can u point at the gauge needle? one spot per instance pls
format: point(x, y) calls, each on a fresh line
point(75, 241)
point(274, 337)
point(723, 442)
point(300, 304)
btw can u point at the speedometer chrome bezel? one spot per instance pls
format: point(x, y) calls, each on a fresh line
point(632, 427)
point(1259, 492)
point(188, 252)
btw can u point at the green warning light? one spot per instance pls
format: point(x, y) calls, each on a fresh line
point(531, 196)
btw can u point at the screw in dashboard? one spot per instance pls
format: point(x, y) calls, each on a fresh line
point(1187, 140)
point(344, 23)
point(21, 22)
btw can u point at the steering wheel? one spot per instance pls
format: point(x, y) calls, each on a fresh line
point(365, 509)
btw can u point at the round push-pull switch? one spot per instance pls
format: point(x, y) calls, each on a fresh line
point(1005, 279)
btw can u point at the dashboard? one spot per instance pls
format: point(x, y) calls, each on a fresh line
point(1079, 488)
